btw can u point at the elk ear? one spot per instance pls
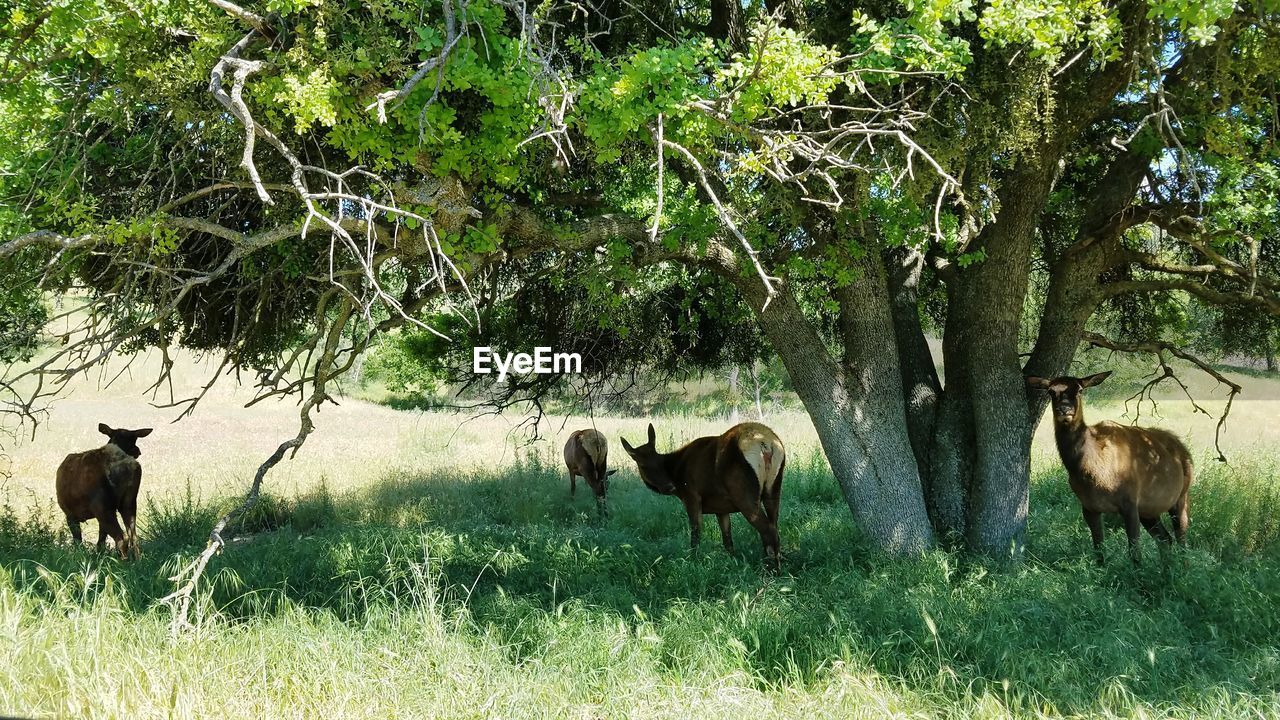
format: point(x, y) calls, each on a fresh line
point(1037, 383)
point(105, 429)
point(653, 436)
point(1095, 379)
point(142, 433)
point(611, 472)
point(627, 446)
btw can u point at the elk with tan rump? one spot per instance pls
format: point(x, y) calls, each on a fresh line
point(739, 471)
point(586, 454)
point(1139, 473)
point(99, 483)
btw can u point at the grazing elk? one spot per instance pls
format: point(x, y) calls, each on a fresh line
point(98, 483)
point(1139, 473)
point(587, 454)
point(739, 471)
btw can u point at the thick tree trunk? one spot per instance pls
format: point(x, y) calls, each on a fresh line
point(858, 413)
point(920, 385)
point(983, 322)
point(1072, 299)
point(951, 454)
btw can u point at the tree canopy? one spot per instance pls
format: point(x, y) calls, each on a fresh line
point(278, 182)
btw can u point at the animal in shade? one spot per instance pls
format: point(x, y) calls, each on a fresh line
point(738, 471)
point(99, 483)
point(1139, 473)
point(586, 454)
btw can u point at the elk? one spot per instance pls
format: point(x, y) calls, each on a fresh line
point(739, 471)
point(1139, 473)
point(99, 483)
point(587, 455)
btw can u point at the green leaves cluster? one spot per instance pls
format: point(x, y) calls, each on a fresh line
point(105, 116)
point(1048, 28)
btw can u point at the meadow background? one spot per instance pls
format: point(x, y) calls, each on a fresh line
point(426, 564)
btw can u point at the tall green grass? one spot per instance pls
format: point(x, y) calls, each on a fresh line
point(492, 594)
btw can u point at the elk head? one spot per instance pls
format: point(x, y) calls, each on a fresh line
point(126, 440)
point(651, 464)
point(1067, 394)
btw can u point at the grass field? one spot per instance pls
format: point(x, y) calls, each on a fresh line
point(405, 565)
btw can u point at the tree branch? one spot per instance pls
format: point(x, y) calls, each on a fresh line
point(1159, 349)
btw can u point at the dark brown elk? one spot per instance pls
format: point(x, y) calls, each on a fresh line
point(587, 455)
point(99, 483)
point(739, 471)
point(1139, 473)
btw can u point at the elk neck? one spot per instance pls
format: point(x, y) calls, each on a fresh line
point(1072, 437)
point(672, 466)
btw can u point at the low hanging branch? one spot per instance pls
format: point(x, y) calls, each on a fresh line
point(188, 577)
point(1165, 371)
point(727, 219)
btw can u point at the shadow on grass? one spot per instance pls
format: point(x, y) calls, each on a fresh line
point(521, 562)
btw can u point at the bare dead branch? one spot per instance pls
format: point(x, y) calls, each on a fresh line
point(728, 221)
point(657, 213)
point(1165, 371)
point(253, 20)
point(45, 237)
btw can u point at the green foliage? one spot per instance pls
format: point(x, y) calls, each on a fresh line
point(22, 317)
point(309, 100)
point(920, 41)
point(106, 118)
point(1197, 19)
point(1048, 29)
point(671, 321)
point(789, 70)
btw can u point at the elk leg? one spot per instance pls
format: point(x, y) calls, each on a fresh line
point(107, 525)
point(573, 484)
point(694, 508)
point(1094, 521)
point(74, 526)
point(1156, 528)
point(1178, 518)
point(768, 536)
point(129, 514)
point(726, 531)
point(1162, 536)
point(1133, 528)
point(131, 535)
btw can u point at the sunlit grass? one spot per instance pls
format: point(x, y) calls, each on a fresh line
point(402, 566)
point(490, 594)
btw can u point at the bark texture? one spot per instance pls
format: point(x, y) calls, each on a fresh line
point(858, 413)
point(920, 385)
point(985, 311)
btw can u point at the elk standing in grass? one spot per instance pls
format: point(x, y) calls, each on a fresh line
point(1139, 473)
point(587, 454)
point(739, 471)
point(98, 483)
